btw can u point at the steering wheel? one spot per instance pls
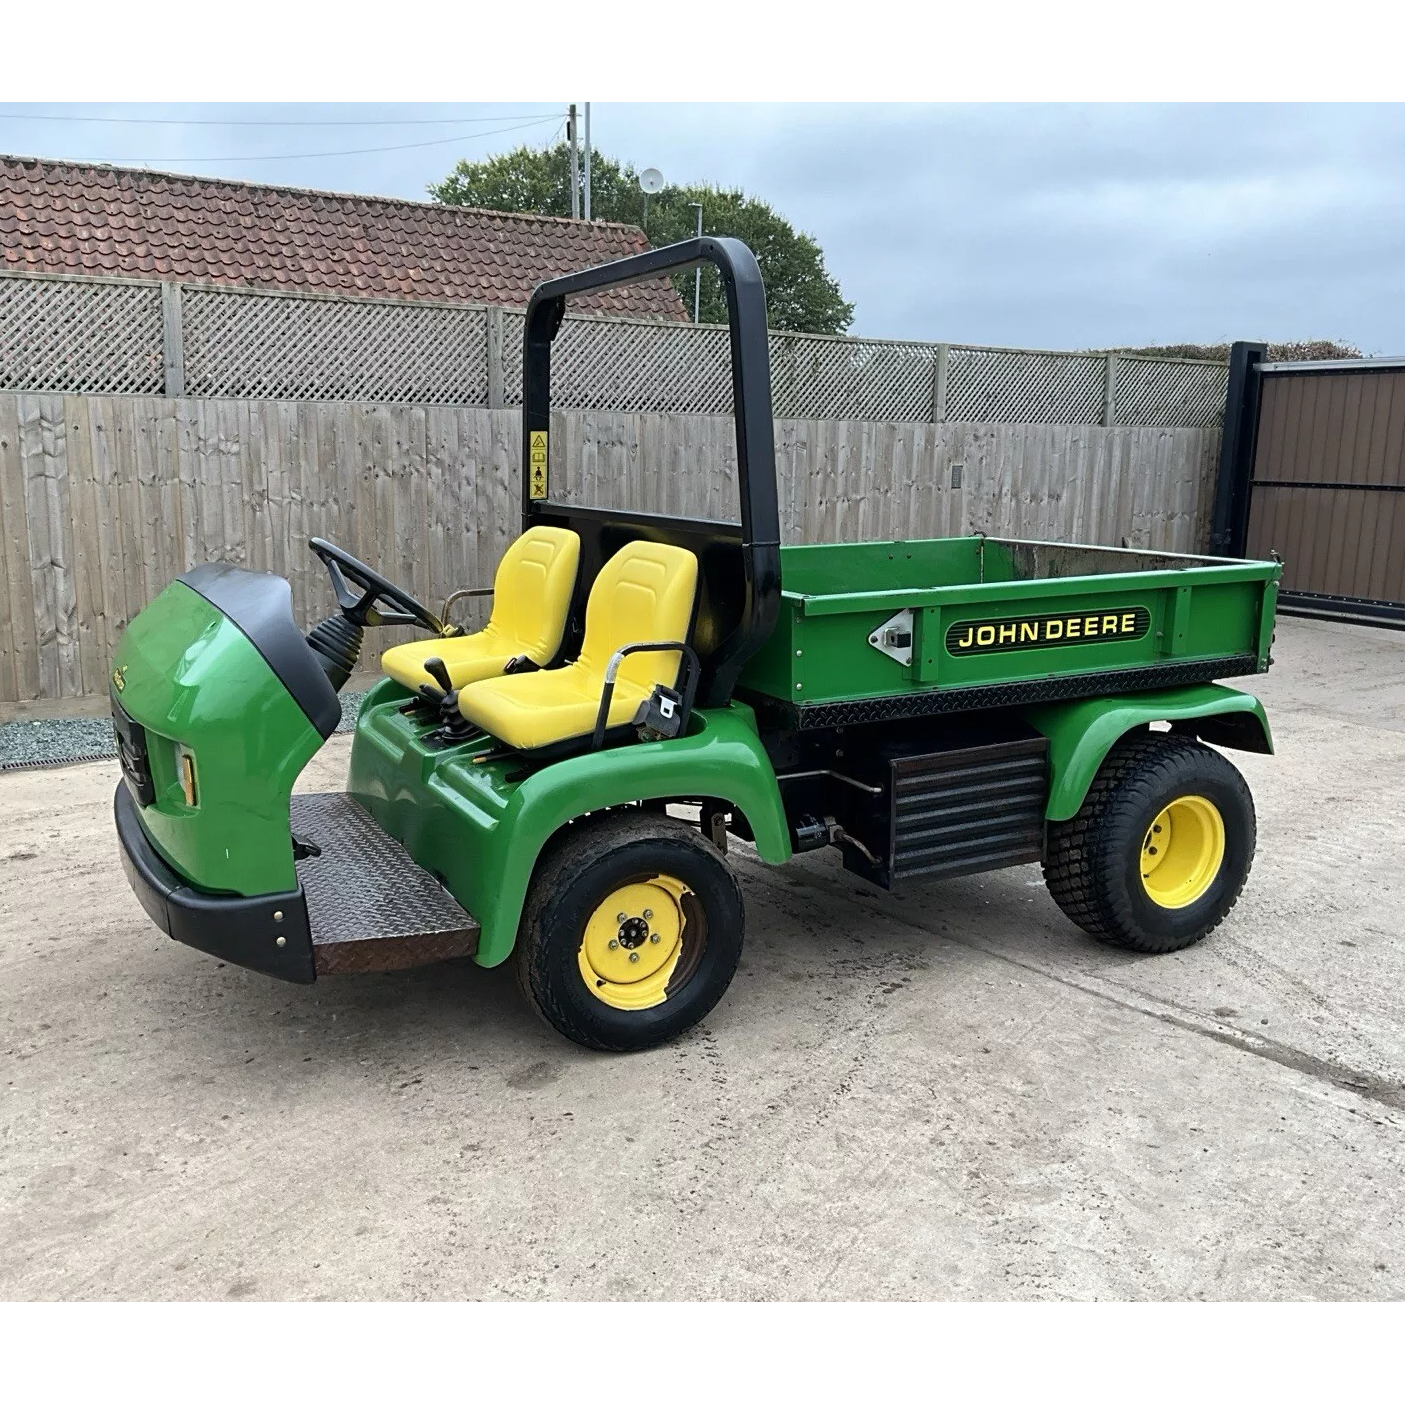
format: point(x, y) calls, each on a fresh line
point(360, 609)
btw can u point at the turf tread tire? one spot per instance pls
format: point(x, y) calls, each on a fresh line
point(1081, 870)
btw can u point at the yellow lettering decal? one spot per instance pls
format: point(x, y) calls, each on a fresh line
point(1007, 634)
point(1071, 630)
point(1129, 624)
point(967, 641)
point(985, 634)
point(1109, 624)
point(1029, 629)
point(1090, 626)
point(1053, 629)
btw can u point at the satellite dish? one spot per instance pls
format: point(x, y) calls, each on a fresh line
point(651, 180)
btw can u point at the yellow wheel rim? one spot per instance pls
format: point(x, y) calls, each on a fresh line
point(1182, 852)
point(633, 942)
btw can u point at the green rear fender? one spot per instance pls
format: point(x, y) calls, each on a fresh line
point(482, 828)
point(1082, 733)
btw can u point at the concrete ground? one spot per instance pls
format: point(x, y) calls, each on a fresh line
point(946, 1094)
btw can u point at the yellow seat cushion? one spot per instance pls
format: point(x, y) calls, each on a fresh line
point(531, 597)
point(643, 593)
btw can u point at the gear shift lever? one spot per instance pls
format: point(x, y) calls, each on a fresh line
point(452, 727)
point(437, 671)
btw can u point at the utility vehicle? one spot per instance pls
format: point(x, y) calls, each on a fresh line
point(930, 708)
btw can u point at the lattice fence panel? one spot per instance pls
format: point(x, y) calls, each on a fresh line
point(62, 334)
point(824, 378)
point(293, 348)
point(105, 336)
point(641, 367)
point(1154, 392)
point(1024, 387)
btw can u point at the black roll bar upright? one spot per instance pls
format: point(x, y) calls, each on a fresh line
point(751, 403)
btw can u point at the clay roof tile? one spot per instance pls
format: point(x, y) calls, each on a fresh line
point(136, 223)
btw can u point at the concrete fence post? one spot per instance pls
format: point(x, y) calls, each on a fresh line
point(172, 340)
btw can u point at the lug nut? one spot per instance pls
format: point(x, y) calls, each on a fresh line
point(1156, 829)
point(653, 936)
point(1152, 850)
point(648, 913)
point(634, 956)
point(621, 916)
point(614, 945)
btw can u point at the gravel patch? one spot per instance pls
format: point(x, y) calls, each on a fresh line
point(54, 740)
point(350, 706)
point(41, 743)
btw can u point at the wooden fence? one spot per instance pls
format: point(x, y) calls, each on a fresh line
point(104, 499)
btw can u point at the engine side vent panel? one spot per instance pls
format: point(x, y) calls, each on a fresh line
point(968, 810)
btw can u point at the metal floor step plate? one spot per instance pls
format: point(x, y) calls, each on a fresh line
point(371, 907)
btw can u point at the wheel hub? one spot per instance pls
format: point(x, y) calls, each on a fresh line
point(634, 931)
point(632, 943)
point(1182, 851)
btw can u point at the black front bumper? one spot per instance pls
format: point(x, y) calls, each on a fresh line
point(240, 930)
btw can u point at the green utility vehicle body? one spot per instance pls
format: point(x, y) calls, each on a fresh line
point(930, 707)
point(483, 829)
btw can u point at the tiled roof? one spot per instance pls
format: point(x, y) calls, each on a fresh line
point(68, 217)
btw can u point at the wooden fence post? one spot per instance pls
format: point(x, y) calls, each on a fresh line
point(494, 351)
point(172, 342)
point(1110, 390)
point(939, 383)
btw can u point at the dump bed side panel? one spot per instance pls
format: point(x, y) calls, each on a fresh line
point(844, 645)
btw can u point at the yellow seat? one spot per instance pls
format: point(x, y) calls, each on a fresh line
point(643, 594)
point(531, 596)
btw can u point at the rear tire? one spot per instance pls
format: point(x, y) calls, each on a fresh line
point(1160, 850)
point(632, 932)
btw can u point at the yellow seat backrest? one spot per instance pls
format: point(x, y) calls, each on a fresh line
point(644, 592)
point(532, 592)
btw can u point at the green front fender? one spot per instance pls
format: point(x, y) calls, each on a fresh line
point(1082, 733)
point(481, 828)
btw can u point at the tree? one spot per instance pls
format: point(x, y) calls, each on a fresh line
point(801, 296)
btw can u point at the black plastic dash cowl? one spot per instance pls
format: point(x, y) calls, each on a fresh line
point(261, 605)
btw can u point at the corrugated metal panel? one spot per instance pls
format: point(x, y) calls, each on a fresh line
point(1328, 491)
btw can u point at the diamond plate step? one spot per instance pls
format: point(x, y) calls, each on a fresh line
point(371, 907)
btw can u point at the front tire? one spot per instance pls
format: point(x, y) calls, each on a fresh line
point(1160, 850)
point(632, 932)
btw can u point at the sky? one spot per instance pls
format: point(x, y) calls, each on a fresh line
point(1041, 225)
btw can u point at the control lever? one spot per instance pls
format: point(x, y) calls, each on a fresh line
point(449, 703)
point(437, 671)
point(452, 727)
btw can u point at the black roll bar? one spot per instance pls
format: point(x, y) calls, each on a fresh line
point(751, 403)
point(751, 362)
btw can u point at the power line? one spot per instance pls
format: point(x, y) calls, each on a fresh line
point(269, 122)
point(312, 155)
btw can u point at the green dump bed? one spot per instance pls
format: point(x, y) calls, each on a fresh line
point(879, 630)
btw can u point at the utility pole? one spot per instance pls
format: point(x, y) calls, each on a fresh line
point(575, 166)
point(587, 160)
point(697, 272)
